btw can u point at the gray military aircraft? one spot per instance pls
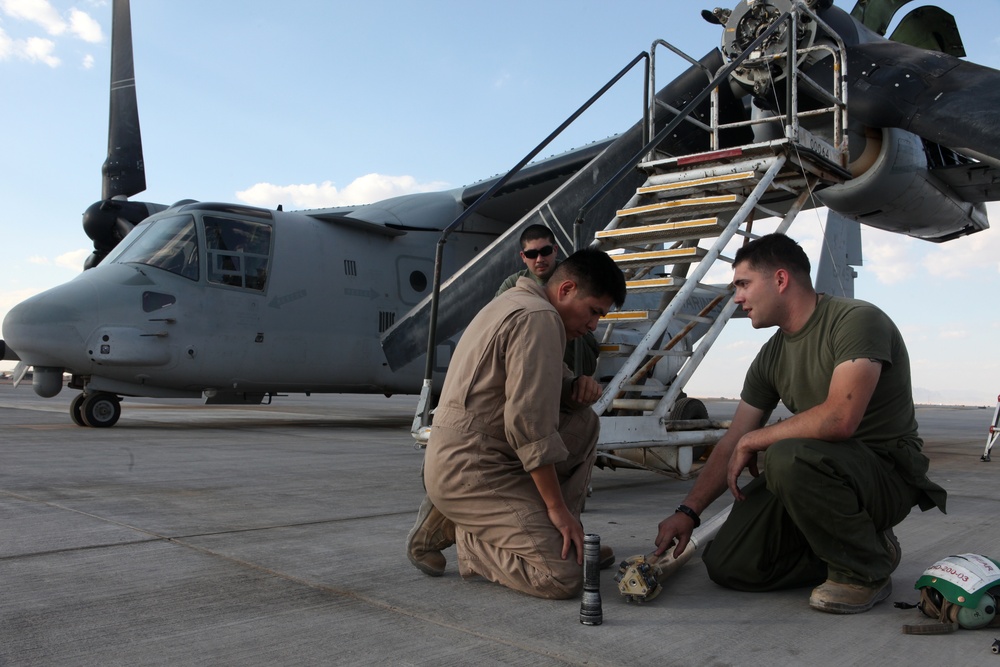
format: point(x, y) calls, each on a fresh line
point(234, 303)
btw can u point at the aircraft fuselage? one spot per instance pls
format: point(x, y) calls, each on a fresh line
point(222, 299)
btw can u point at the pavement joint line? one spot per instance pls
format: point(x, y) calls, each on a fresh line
point(301, 581)
point(157, 536)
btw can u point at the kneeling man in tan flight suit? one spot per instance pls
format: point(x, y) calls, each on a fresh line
point(513, 443)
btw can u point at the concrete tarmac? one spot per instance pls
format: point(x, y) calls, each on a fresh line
point(274, 535)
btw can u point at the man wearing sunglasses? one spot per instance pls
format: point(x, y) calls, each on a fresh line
point(514, 439)
point(539, 252)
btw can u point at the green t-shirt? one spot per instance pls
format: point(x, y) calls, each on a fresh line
point(796, 369)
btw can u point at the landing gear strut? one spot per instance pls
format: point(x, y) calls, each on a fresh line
point(100, 410)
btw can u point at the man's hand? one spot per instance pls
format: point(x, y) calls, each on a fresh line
point(677, 526)
point(570, 529)
point(744, 456)
point(569, 526)
point(586, 390)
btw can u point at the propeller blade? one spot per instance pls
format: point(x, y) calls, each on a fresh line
point(876, 15)
point(943, 99)
point(930, 28)
point(123, 172)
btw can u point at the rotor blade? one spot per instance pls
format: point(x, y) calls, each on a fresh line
point(930, 28)
point(937, 96)
point(877, 14)
point(123, 172)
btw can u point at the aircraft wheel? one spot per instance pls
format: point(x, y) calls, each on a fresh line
point(692, 408)
point(689, 408)
point(76, 410)
point(101, 410)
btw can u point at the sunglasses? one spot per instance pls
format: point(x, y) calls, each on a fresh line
point(544, 251)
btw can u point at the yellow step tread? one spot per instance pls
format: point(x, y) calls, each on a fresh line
point(697, 182)
point(678, 204)
point(663, 227)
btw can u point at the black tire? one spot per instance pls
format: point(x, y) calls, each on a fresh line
point(76, 410)
point(101, 410)
point(688, 408)
point(692, 408)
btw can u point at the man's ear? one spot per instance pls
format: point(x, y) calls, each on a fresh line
point(566, 289)
point(781, 279)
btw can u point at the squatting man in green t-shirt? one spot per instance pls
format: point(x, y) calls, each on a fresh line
point(838, 474)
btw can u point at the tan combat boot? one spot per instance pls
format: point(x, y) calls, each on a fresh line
point(607, 557)
point(834, 597)
point(431, 533)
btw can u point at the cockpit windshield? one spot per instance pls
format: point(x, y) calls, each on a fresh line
point(237, 252)
point(168, 243)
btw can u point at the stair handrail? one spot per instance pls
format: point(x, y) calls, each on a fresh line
point(653, 102)
point(439, 249)
point(639, 157)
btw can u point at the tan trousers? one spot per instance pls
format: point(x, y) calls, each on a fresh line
point(502, 529)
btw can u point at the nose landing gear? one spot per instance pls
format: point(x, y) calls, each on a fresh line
point(100, 410)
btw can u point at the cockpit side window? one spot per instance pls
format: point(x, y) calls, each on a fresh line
point(238, 252)
point(170, 244)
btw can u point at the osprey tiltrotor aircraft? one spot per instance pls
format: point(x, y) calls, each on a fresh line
point(235, 303)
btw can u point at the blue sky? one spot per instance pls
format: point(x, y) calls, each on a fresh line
point(321, 103)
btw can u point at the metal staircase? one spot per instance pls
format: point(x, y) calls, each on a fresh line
point(667, 237)
point(678, 223)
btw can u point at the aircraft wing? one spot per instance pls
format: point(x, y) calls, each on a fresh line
point(533, 184)
point(977, 183)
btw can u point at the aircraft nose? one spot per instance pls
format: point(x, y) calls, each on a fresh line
point(49, 329)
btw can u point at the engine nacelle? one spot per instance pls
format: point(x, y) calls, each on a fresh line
point(898, 186)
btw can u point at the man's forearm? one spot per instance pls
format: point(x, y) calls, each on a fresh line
point(547, 482)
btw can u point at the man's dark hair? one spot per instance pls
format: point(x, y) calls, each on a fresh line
point(772, 252)
point(595, 274)
point(533, 232)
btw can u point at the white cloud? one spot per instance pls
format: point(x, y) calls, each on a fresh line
point(88, 61)
point(44, 15)
point(40, 12)
point(73, 260)
point(34, 49)
point(85, 27)
point(40, 50)
point(977, 255)
point(6, 46)
point(363, 190)
point(887, 256)
point(954, 334)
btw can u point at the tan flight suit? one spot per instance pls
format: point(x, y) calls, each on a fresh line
point(499, 418)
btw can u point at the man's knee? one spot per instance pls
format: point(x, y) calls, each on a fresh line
point(725, 569)
point(561, 584)
point(582, 425)
point(794, 464)
point(782, 458)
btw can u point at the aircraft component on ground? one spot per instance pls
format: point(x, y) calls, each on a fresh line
point(640, 578)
